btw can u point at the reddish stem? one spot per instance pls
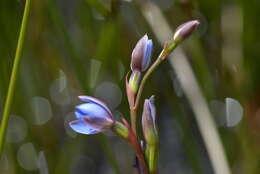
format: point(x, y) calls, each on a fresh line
point(132, 139)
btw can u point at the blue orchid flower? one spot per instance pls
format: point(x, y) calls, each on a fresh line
point(141, 55)
point(93, 116)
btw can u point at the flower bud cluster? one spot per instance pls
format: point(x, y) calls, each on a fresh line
point(141, 58)
point(94, 116)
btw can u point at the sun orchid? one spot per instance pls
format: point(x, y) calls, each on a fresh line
point(93, 116)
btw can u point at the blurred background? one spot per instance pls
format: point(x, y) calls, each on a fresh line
point(83, 47)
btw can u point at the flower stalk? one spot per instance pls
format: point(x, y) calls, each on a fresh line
point(133, 115)
point(182, 32)
point(133, 141)
point(120, 130)
point(168, 48)
point(11, 88)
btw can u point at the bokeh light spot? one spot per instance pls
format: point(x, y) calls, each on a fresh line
point(109, 93)
point(234, 112)
point(42, 111)
point(17, 129)
point(59, 90)
point(227, 114)
point(27, 157)
point(42, 164)
point(69, 117)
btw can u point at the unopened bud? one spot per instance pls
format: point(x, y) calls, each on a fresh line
point(134, 81)
point(148, 122)
point(150, 134)
point(185, 30)
point(141, 54)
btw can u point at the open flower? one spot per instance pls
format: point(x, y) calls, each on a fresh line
point(93, 116)
point(141, 54)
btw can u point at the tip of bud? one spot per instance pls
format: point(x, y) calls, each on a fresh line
point(152, 98)
point(145, 37)
point(184, 30)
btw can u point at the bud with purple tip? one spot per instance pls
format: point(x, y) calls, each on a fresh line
point(141, 54)
point(150, 134)
point(148, 121)
point(141, 57)
point(184, 30)
point(94, 117)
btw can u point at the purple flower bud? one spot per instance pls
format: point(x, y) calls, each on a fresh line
point(141, 54)
point(184, 30)
point(148, 121)
point(93, 116)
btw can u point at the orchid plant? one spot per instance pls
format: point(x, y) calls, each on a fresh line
point(94, 116)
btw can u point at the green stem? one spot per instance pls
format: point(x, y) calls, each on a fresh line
point(133, 140)
point(165, 52)
point(151, 156)
point(133, 114)
point(10, 92)
point(133, 111)
point(151, 159)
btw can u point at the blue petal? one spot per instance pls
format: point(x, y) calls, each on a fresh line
point(90, 99)
point(91, 109)
point(152, 108)
point(82, 127)
point(138, 54)
point(147, 55)
point(79, 115)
